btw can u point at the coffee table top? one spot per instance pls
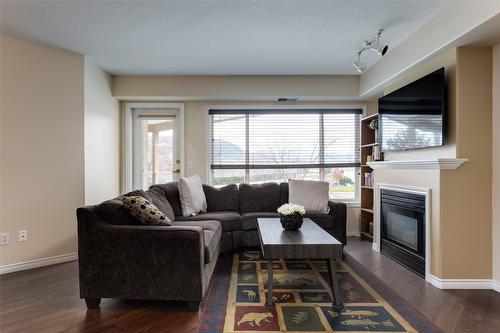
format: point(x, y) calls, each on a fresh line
point(310, 241)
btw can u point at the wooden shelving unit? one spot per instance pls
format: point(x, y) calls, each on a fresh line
point(367, 143)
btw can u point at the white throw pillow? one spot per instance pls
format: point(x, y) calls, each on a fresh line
point(313, 195)
point(193, 200)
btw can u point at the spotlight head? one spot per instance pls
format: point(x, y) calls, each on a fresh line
point(360, 67)
point(381, 49)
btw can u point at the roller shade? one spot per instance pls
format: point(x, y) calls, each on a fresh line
point(284, 139)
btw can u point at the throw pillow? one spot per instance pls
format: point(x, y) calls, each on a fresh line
point(313, 195)
point(193, 200)
point(145, 211)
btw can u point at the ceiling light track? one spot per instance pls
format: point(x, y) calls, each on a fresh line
point(372, 44)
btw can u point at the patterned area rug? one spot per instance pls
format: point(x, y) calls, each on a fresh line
point(301, 291)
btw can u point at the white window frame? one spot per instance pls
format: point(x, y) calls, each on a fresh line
point(129, 144)
point(355, 202)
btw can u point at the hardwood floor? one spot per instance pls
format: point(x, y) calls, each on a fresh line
point(46, 300)
point(450, 310)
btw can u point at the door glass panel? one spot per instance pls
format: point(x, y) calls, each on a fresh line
point(158, 151)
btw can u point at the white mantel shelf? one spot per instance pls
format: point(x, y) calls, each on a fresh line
point(438, 163)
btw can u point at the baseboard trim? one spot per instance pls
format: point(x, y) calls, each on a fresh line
point(21, 266)
point(353, 233)
point(496, 286)
point(462, 283)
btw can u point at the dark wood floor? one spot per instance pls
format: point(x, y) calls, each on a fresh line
point(46, 300)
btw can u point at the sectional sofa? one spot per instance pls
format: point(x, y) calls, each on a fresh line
point(120, 258)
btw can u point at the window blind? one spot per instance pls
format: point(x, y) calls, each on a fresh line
point(284, 138)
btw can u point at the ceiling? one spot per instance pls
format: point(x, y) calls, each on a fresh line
point(217, 37)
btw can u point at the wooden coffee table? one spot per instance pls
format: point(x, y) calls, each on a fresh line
point(309, 242)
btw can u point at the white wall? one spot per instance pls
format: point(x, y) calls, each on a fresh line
point(102, 136)
point(496, 165)
point(42, 166)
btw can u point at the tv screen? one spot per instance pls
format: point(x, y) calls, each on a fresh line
point(414, 116)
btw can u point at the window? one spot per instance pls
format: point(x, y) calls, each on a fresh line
point(263, 145)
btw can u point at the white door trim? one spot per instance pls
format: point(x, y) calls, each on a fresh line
point(129, 107)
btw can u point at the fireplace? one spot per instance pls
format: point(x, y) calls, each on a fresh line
point(402, 220)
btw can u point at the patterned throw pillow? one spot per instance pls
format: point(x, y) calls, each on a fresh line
point(145, 211)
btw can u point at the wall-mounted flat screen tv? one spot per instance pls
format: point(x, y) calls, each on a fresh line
point(414, 116)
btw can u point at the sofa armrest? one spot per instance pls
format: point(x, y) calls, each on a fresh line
point(139, 262)
point(338, 210)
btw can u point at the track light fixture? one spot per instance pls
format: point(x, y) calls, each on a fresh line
point(372, 44)
point(360, 67)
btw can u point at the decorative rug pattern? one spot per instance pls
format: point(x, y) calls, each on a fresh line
point(303, 299)
point(302, 293)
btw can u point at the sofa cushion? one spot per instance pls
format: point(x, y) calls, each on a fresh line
point(159, 199)
point(171, 191)
point(259, 197)
point(325, 221)
point(193, 200)
point(249, 220)
point(212, 240)
point(311, 194)
point(212, 232)
point(205, 224)
point(230, 220)
point(283, 193)
point(113, 212)
point(143, 210)
point(223, 198)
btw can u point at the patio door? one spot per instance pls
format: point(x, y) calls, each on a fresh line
point(156, 146)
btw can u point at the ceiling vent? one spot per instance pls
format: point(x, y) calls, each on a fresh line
point(287, 99)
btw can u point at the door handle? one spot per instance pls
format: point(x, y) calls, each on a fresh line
point(177, 171)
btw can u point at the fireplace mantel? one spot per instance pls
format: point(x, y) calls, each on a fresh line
point(438, 163)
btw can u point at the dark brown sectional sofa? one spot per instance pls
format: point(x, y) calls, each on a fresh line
point(120, 258)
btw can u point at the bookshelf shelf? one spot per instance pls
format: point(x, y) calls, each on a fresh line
point(368, 142)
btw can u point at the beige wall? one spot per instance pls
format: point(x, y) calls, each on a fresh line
point(102, 136)
point(496, 164)
point(461, 198)
point(466, 192)
point(236, 87)
point(42, 148)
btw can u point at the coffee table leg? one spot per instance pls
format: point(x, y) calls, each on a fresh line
point(270, 283)
point(337, 302)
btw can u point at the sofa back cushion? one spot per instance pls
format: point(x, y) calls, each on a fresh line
point(283, 193)
point(171, 191)
point(259, 197)
point(114, 212)
point(159, 199)
point(225, 198)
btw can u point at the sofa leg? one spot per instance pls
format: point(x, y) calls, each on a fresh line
point(193, 306)
point(93, 303)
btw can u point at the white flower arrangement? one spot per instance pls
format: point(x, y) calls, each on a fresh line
point(290, 208)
